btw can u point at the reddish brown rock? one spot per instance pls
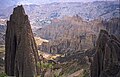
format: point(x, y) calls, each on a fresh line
point(21, 52)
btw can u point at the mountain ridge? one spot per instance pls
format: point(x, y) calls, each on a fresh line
point(89, 10)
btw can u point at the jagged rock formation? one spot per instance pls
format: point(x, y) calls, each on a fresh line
point(113, 26)
point(21, 52)
point(106, 61)
point(68, 35)
point(72, 33)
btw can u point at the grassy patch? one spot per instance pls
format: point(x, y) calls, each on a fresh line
point(3, 75)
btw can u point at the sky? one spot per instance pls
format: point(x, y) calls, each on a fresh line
point(50, 1)
point(4, 3)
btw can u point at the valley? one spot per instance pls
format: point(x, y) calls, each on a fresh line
point(71, 39)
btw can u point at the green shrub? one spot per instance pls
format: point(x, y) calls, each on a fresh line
point(3, 75)
point(85, 73)
point(45, 65)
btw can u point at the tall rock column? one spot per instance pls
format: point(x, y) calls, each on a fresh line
point(21, 54)
point(106, 61)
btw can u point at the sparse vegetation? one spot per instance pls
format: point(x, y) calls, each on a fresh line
point(85, 73)
point(3, 75)
point(44, 65)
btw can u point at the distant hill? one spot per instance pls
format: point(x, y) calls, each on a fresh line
point(90, 10)
point(56, 14)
